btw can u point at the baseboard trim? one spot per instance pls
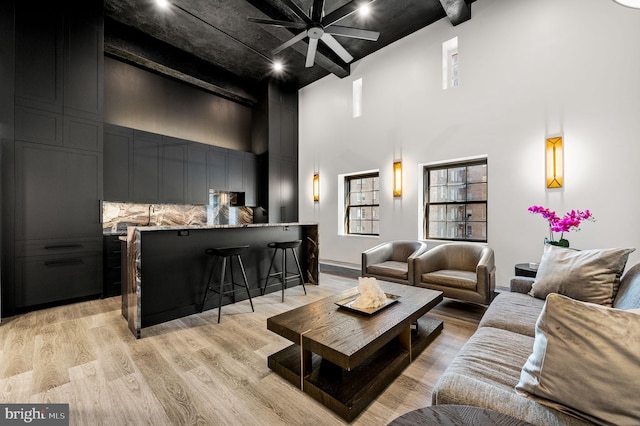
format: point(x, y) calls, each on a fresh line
point(341, 270)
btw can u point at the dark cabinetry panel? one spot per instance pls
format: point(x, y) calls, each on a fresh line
point(173, 170)
point(197, 188)
point(58, 255)
point(112, 251)
point(83, 59)
point(57, 192)
point(217, 169)
point(118, 163)
point(39, 55)
point(236, 172)
point(283, 194)
point(281, 172)
point(46, 279)
point(146, 167)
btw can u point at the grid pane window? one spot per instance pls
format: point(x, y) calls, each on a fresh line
point(456, 206)
point(363, 210)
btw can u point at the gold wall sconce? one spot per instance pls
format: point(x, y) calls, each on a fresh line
point(316, 187)
point(554, 162)
point(397, 178)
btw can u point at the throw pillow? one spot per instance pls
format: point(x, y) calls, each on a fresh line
point(585, 362)
point(586, 275)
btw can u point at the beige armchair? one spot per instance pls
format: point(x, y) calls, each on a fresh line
point(392, 261)
point(463, 271)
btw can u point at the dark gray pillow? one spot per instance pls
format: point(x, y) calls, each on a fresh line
point(585, 362)
point(586, 275)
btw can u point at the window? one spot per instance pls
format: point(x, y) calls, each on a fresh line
point(357, 98)
point(362, 204)
point(450, 63)
point(456, 201)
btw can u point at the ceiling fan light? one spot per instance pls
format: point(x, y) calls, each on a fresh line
point(163, 4)
point(629, 3)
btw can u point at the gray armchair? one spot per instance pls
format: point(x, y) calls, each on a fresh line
point(392, 261)
point(463, 271)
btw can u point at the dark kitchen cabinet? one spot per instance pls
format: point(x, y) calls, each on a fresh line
point(112, 269)
point(217, 170)
point(57, 224)
point(59, 57)
point(235, 164)
point(173, 170)
point(197, 188)
point(58, 192)
point(118, 163)
point(146, 167)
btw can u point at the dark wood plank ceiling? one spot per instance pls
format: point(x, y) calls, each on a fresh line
point(213, 45)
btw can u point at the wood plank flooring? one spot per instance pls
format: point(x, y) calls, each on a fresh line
point(194, 371)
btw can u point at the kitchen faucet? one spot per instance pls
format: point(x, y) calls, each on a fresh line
point(151, 210)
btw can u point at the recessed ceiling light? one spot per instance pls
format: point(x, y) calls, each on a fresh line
point(364, 10)
point(277, 66)
point(164, 4)
point(629, 3)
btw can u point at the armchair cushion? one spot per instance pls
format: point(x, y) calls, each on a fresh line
point(391, 268)
point(452, 278)
point(587, 275)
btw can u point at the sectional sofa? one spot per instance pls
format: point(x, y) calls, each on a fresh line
point(509, 364)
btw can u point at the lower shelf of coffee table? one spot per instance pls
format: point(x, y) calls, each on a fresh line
point(348, 393)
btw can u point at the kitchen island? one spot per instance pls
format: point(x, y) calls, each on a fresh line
point(166, 271)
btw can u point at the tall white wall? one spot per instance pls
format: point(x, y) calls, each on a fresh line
point(528, 69)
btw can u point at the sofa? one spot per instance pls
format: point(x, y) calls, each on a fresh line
point(493, 369)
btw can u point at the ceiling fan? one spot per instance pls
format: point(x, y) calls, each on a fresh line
point(316, 26)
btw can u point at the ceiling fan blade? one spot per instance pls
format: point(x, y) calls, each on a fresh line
point(352, 32)
point(274, 22)
point(288, 43)
point(296, 9)
point(316, 12)
point(336, 47)
point(311, 52)
point(343, 12)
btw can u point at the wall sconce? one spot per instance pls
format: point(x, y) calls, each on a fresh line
point(555, 159)
point(397, 178)
point(316, 187)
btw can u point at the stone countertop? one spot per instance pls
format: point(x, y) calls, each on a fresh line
point(249, 225)
point(180, 227)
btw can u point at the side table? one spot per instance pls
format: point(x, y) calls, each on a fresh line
point(524, 270)
point(456, 415)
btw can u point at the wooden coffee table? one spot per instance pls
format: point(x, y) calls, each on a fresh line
point(346, 358)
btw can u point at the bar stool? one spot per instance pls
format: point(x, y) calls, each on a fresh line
point(283, 246)
point(225, 253)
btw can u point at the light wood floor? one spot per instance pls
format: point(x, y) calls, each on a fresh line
point(193, 370)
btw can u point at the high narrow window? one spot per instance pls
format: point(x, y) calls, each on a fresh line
point(450, 63)
point(357, 98)
point(362, 205)
point(456, 201)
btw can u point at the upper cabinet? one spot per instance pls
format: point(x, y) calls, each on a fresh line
point(59, 58)
point(145, 167)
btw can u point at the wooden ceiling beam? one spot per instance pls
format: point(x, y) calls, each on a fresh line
point(458, 11)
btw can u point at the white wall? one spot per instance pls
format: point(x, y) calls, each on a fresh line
point(528, 69)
